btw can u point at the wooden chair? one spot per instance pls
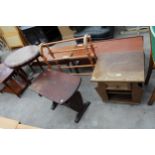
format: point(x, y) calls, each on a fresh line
point(61, 88)
point(152, 54)
point(83, 53)
point(151, 62)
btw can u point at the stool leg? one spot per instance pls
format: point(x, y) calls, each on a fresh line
point(76, 103)
point(22, 72)
point(39, 64)
point(23, 75)
point(31, 68)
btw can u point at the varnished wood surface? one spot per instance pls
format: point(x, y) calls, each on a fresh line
point(22, 56)
point(119, 67)
point(131, 44)
point(56, 86)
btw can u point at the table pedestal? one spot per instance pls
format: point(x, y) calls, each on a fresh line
point(75, 103)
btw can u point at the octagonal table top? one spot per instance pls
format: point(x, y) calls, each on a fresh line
point(56, 86)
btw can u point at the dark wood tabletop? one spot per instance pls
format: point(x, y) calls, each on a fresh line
point(22, 56)
point(56, 86)
point(130, 44)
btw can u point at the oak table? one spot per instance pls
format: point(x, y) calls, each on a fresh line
point(120, 75)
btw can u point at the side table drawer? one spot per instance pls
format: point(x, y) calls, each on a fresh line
point(118, 86)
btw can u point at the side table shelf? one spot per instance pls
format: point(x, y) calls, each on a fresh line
point(131, 94)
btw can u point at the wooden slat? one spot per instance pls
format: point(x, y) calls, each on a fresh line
point(62, 41)
point(78, 66)
point(71, 50)
point(82, 74)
